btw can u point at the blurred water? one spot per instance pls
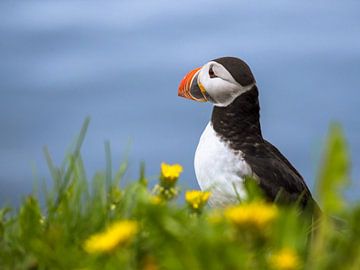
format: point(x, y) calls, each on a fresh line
point(121, 62)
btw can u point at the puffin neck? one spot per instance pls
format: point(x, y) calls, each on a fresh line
point(239, 122)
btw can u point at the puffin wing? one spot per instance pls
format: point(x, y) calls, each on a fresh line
point(276, 151)
point(277, 177)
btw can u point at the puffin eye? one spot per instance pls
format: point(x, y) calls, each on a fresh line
point(211, 73)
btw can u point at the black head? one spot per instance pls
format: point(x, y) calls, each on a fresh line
point(238, 69)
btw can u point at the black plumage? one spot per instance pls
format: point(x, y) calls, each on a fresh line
point(240, 71)
point(238, 124)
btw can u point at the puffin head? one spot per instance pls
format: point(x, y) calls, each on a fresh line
point(219, 81)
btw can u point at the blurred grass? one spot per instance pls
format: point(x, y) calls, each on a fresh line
point(167, 235)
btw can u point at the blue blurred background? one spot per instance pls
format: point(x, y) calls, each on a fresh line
point(121, 62)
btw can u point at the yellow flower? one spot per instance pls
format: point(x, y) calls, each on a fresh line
point(258, 214)
point(170, 173)
point(118, 233)
point(285, 259)
point(196, 198)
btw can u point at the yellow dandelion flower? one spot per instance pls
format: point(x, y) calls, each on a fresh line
point(258, 214)
point(170, 173)
point(117, 234)
point(285, 259)
point(196, 198)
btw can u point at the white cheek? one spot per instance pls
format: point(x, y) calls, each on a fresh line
point(222, 89)
point(222, 92)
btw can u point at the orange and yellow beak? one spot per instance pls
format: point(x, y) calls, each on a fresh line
point(191, 88)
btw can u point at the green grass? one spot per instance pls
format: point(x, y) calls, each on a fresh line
point(172, 235)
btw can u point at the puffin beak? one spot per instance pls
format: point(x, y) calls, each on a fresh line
point(190, 88)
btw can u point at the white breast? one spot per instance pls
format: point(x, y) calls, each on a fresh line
point(220, 169)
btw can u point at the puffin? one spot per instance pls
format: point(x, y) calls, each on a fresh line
point(232, 149)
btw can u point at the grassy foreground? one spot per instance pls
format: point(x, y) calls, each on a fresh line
point(96, 224)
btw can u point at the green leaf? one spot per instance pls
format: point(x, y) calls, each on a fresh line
point(334, 171)
point(253, 190)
